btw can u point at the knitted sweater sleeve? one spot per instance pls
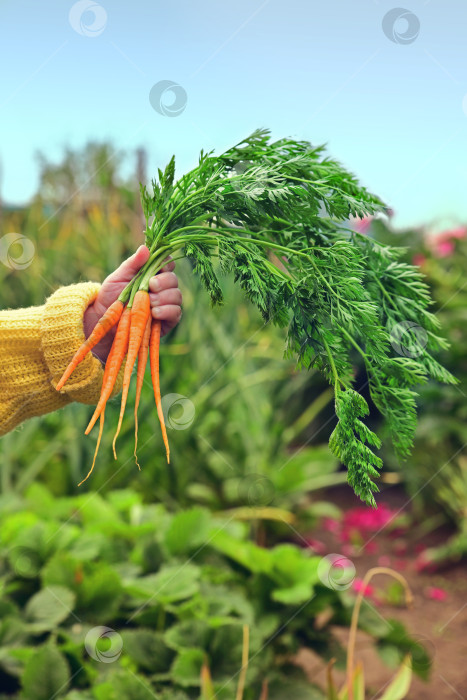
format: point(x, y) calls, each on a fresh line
point(36, 345)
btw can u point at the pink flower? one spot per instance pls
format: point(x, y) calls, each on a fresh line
point(424, 563)
point(362, 225)
point(443, 243)
point(444, 248)
point(365, 521)
point(359, 587)
point(434, 593)
point(348, 550)
point(400, 564)
point(331, 525)
point(371, 547)
point(316, 545)
point(384, 560)
point(400, 548)
point(460, 232)
point(418, 259)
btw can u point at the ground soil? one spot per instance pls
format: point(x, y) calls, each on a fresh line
point(441, 625)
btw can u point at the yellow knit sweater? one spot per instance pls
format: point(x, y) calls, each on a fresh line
point(36, 345)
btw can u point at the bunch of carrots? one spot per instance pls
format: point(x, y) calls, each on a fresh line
point(136, 333)
point(275, 214)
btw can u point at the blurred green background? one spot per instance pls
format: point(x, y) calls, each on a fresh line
point(177, 561)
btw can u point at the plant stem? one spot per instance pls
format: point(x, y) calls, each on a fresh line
point(243, 670)
point(356, 612)
point(333, 366)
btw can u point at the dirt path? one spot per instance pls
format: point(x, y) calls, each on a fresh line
point(440, 625)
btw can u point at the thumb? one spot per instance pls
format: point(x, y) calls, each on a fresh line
point(130, 267)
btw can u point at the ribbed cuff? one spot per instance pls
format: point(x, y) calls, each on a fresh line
point(62, 333)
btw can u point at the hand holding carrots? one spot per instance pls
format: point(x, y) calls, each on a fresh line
point(165, 298)
point(133, 309)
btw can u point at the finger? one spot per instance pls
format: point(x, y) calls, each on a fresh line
point(165, 280)
point(130, 267)
point(167, 326)
point(171, 313)
point(169, 266)
point(166, 298)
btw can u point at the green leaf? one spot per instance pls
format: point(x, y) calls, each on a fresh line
point(60, 570)
point(46, 674)
point(100, 592)
point(147, 649)
point(400, 685)
point(125, 684)
point(247, 554)
point(13, 659)
point(12, 628)
point(358, 685)
point(188, 531)
point(298, 690)
point(187, 634)
point(169, 585)
point(186, 669)
point(294, 595)
point(48, 608)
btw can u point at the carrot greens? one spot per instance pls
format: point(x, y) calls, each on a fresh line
point(275, 214)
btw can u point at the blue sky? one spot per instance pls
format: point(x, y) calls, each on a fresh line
point(394, 113)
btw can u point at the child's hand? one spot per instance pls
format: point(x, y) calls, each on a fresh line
point(165, 296)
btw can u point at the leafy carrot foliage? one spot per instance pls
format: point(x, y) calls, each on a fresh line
point(275, 214)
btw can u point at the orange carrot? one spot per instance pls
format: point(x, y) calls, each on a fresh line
point(142, 361)
point(101, 428)
point(154, 343)
point(104, 324)
point(140, 312)
point(113, 364)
